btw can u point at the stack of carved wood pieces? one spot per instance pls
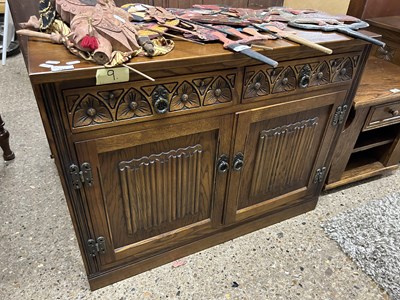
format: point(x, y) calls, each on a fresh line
point(95, 30)
point(243, 26)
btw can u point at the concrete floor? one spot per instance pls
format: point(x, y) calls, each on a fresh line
point(40, 258)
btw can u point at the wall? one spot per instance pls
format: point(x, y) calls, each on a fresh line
point(329, 6)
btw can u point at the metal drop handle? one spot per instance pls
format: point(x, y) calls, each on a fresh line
point(238, 162)
point(161, 105)
point(223, 165)
point(160, 100)
point(304, 81)
point(393, 112)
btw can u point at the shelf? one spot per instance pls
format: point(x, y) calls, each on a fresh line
point(359, 172)
point(375, 138)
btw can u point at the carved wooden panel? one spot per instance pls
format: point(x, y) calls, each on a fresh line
point(188, 3)
point(160, 188)
point(90, 111)
point(151, 188)
point(261, 82)
point(279, 156)
point(94, 106)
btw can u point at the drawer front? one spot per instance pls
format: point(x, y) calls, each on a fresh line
point(262, 82)
point(383, 115)
point(123, 103)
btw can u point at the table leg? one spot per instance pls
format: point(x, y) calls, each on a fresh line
point(4, 142)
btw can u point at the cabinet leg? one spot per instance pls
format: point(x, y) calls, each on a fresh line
point(4, 142)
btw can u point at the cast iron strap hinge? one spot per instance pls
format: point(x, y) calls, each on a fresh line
point(319, 175)
point(340, 113)
point(81, 176)
point(96, 246)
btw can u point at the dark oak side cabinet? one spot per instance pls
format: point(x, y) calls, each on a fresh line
point(234, 147)
point(370, 143)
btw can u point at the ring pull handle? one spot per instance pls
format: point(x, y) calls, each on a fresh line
point(223, 165)
point(304, 77)
point(238, 162)
point(393, 112)
point(304, 81)
point(160, 100)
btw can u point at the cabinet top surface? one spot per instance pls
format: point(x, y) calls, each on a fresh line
point(377, 81)
point(390, 23)
point(184, 54)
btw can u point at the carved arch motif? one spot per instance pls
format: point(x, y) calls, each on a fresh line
point(132, 105)
point(344, 72)
point(257, 86)
point(218, 92)
point(321, 75)
point(90, 111)
point(286, 81)
point(185, 97)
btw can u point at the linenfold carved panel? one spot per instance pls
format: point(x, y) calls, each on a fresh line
point(128, 101)
point(160, 188)
point(262, 81)
point(279, 155)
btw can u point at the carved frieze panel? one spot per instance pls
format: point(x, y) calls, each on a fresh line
point(160, 188)
point(261, 81)
point(128, 101)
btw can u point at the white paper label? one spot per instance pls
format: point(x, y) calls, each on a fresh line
point(46, 66)
point(61, 68)
point(112, 75)
point(73, 62)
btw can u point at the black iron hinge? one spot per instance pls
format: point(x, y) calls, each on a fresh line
point(340, 113)
point(81, 176)
point(319, 175)
point(96, 246)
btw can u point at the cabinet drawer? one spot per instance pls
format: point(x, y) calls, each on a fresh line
point(262, 82)
point(383, 115)
point(97, 107)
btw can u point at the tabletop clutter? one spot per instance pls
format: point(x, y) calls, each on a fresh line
point(100, 31)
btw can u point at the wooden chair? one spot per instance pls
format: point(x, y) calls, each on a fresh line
point(4, 142)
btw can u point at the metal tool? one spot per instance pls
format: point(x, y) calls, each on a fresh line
point(230, 44)
point(244, 49)
point(347, 29)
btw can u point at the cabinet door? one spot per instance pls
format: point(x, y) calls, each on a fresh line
point(155, 189)
point(282, 147)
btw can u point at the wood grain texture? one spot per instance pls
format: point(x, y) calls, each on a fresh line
point(369, 144)
point(165, 204)
point(278, 154)
point(263, 83)
point(176, 176)
point(365, 9)
point(346, 143)
point(101, 106)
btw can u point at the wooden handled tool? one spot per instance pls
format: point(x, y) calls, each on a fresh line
point(293, 38)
